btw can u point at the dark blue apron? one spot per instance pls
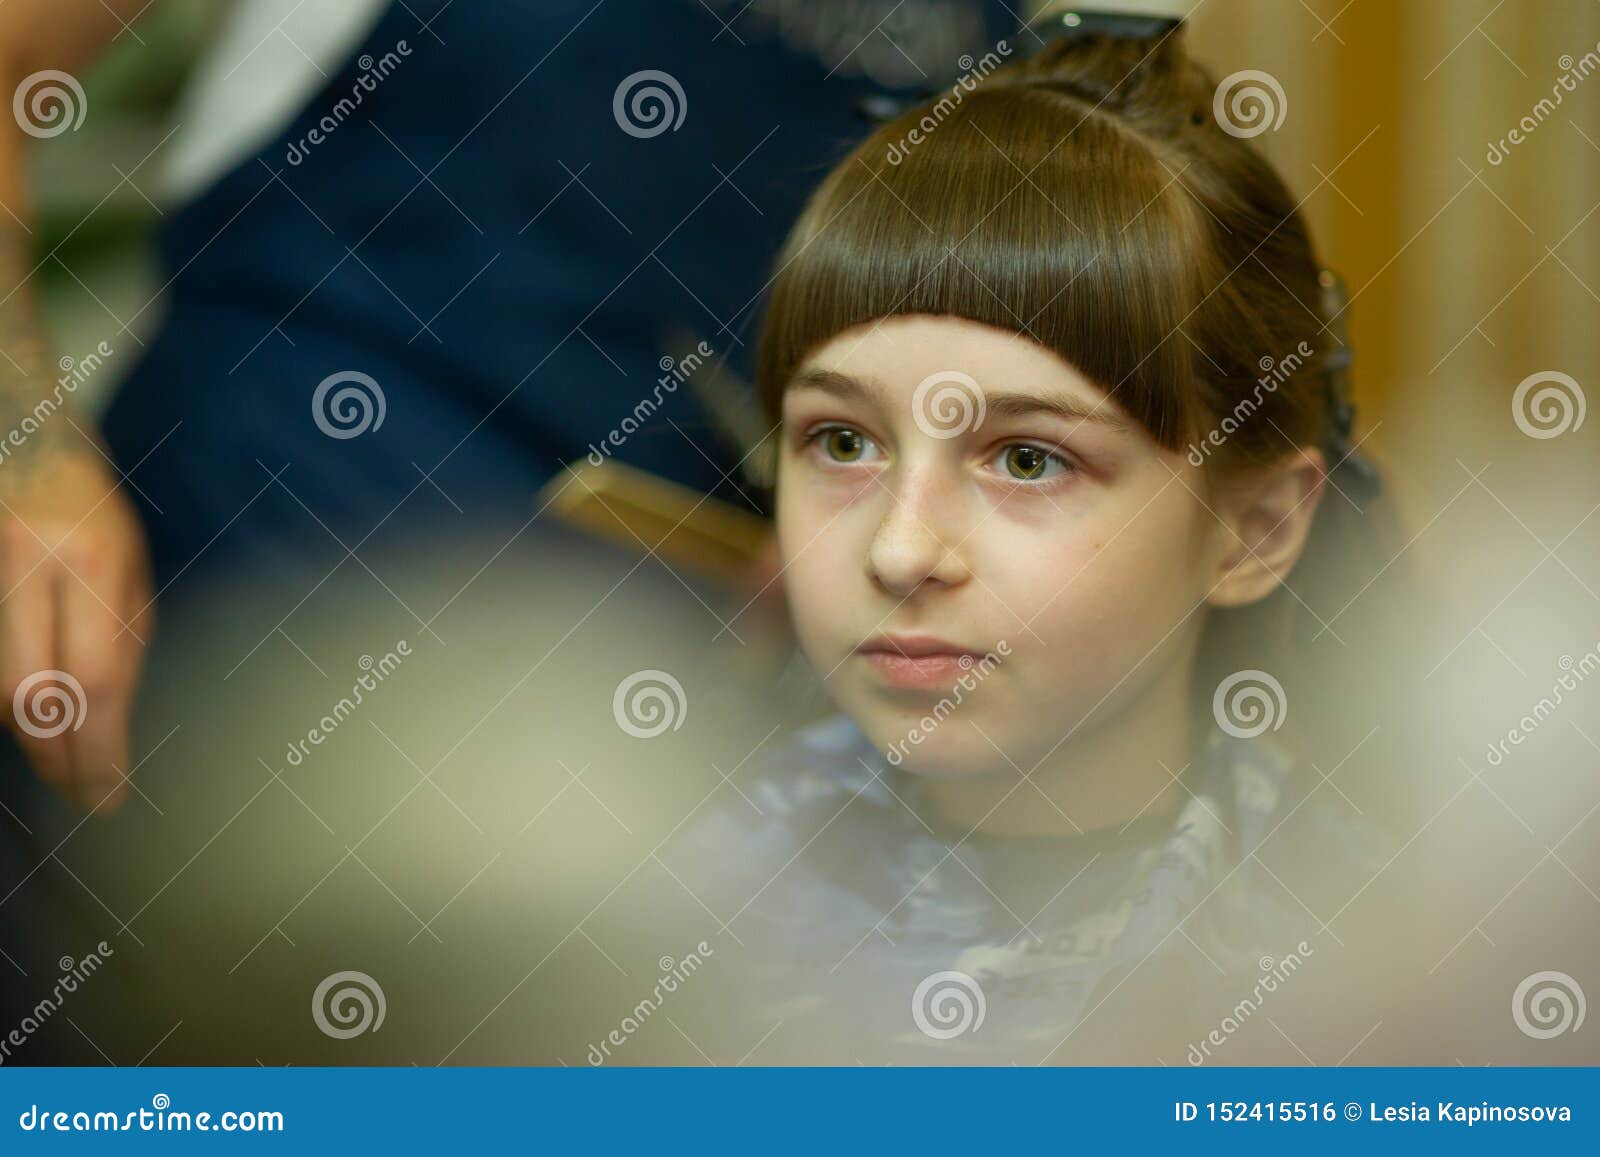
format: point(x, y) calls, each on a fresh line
point(482, 238)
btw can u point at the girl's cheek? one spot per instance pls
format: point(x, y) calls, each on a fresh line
point(1079, 592)
point(1043, 561)
point(802, 527)
point(831, 488)
point(813, 500)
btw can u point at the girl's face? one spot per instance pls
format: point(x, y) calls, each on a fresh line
point(949, 491)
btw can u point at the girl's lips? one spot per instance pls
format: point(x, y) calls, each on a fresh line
point(919, 671)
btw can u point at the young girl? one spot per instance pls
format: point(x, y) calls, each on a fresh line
point(1059, 393)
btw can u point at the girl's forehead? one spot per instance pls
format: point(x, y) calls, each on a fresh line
point(896, 354)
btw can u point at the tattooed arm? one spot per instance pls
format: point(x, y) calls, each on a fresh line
point(74, 582)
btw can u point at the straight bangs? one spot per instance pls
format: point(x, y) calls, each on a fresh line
point(1024, 209)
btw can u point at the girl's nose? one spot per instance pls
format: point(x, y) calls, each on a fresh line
point(917, 541)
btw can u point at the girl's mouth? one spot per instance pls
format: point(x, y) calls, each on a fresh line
point(917, 661)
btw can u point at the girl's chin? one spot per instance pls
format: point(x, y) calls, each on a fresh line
point(940, 759)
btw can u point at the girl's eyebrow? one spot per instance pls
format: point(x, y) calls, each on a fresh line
point(1005, 405)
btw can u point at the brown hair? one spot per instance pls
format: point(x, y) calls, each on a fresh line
point(1085, 197)
point(1089, 198)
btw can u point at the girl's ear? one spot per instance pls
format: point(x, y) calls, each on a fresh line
point(1266, 517)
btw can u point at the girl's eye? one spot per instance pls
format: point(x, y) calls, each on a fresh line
point(844, 444)
point(1030, 463)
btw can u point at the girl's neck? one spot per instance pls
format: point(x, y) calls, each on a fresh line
point(1105, 775)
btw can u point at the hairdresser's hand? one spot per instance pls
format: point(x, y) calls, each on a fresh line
point(75, 616)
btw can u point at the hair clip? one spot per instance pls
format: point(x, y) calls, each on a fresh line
point(878, 108)
point(1078, 22)
point(1360, 474)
